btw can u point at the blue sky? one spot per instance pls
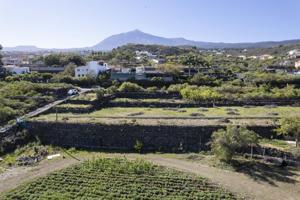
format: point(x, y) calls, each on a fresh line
point(80, 23)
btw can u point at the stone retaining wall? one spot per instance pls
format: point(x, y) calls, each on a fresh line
point(164, 138)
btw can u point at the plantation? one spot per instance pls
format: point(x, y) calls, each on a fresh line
point(105, 178)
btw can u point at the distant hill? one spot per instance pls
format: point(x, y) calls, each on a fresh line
point(139, 37)
point(27, 48)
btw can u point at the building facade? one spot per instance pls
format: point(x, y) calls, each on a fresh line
point(93, 69)
point(16, 70)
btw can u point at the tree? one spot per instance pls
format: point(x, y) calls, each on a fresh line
point(290, 126)
point(170, 68)
point(52, 60)
point(226, 142)
point(193, 60)
point(75, 59)
point(69, 70)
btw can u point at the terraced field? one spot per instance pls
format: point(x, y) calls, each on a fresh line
point(105, 178)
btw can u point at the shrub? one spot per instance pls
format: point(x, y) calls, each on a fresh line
point(200, 94)
point(100, 93)
point(152, 89)
point(138, 146)
point(6, 113)
point(176, 87)
point(112, 89)
point(130, 87)
point(226, 142)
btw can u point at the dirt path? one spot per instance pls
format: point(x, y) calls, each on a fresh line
point(17, 176)
point(236, 182)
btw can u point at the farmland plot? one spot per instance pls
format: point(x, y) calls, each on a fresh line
point(105, 178)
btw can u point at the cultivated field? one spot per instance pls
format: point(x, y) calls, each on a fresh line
point(105, 178)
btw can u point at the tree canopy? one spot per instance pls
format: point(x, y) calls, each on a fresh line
point(225, 142)
point(290, 126)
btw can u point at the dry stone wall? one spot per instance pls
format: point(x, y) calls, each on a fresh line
point(163, 138)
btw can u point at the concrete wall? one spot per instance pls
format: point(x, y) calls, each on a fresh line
point(123, 137)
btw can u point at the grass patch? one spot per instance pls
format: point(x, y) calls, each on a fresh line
point(279, 144)
point(284, 111)
point(90, 96)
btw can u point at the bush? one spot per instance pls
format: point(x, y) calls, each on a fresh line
point(100, 93)
point(130, 87)
point(112, 89)
point(176, 87)
point(138, 146)
point(200, 94)
point(152, 89)
point(226, 142)
point(6, 113)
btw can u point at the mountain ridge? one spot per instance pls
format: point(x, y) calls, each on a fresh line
point(138, 37)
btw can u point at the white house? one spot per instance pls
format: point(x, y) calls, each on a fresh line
point(92, 68)
point(15, 70)
point(266, 57)
point(294, 53)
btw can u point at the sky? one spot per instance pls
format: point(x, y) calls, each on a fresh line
point(83, 23)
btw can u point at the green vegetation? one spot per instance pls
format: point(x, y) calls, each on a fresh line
point(17, 98)
point(290, 126)
point(88, 96)
point(63, 59)
point(273, 143)
point(200, 94)
point(104, 178)
point(230, 92)
point(260, 111)
point(130, 87)
point(226, 142)
point(138, 146)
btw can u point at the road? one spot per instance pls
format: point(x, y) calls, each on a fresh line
point(43, 109)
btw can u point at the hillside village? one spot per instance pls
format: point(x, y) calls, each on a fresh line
point(230, 116)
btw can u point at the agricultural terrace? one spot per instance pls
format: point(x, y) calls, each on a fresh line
point(19, 98)
point(259, 115)
point(105, 178)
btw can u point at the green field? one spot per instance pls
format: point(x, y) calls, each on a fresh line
point(262, 111)
point(105, 178)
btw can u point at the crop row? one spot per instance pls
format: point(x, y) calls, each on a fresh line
point(142, 181)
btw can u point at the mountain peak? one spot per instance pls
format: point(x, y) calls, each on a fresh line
point(136, 31)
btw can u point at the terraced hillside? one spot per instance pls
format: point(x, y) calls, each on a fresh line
point(105, 178)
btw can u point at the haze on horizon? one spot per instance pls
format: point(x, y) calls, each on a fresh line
point(78, 23)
